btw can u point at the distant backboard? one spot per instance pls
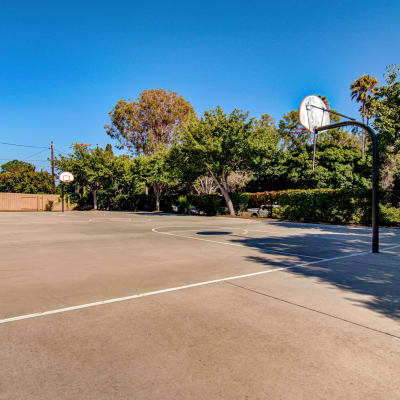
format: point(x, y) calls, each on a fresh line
point(66, 177)
point(313, 113)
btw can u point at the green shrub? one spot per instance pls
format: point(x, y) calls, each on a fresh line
point(339, 206)
point(241, 201)
point(206, 203)
point(389, 215)
point(49, 205)
point(183, 205)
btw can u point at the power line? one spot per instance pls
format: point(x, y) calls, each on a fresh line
point(25, 145)
point(12, 159)
point(34, 154)
point(60, 151)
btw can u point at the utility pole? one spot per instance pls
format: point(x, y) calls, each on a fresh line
point(53, 177)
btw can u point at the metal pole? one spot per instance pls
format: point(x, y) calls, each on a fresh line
point(375, 175)
point(314, 151)
point(53, 178)
point(62, 196)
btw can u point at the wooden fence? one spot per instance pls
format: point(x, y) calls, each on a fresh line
point(33, 202)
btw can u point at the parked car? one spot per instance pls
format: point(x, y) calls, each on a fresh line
point(194, 210)
point(263, 211)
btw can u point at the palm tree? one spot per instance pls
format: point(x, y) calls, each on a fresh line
point(361, 89)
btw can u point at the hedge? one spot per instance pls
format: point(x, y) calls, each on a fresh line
point(338, 206)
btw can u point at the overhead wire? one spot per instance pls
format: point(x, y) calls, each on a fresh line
point(34, 154)
point(60, 151)
point(12, 159)
point(25, 145)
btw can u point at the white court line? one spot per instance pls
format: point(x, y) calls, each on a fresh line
point(174, 289)
point(232, 244)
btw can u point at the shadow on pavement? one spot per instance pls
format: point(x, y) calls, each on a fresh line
point(374, 275)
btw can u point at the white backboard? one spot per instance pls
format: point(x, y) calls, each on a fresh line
point(313, 113)
point(66, 177)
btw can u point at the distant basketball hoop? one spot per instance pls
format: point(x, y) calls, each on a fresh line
point(66, 177)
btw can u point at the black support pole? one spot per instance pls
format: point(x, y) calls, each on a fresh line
point(375, 175)
point(62, 196)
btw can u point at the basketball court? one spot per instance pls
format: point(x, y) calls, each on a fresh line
point(108, 305)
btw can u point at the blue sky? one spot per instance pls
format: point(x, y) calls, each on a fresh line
point(63, 65)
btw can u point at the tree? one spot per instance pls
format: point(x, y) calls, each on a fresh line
point(387, 124)
point(157, 172)
point(292, 134)
point(149, 126)
point(219, 144)
point(205, 185)
point(20, 177)
point(144, 125)
point(17, 166)
point(361, 89)
point(236, 181)
point(92, 168)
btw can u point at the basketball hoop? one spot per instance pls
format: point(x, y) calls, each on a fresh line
point(314, 116)
point(66, 177)
point(313, 113)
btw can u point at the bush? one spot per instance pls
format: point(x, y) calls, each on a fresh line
point(183, 205)
point(339, 206)
point(206, 203)
point(389, 215)
point(49, 205)
point(241, 201)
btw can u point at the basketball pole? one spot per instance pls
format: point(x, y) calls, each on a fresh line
point(62, 196)
point(314, 150)
point(375, 175)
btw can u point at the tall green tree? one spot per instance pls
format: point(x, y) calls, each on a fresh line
point(361, 91)
point(387, 124)
point(219, 144)
point(152, 121)
point(92, 168)
point(157, 172)
point(17, 166)
point(148, 127)
point(292, 134)
point(21, 177)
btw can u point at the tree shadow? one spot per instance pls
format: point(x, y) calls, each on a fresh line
point(374, 275)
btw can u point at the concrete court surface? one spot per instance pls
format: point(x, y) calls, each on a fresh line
point(106, 305)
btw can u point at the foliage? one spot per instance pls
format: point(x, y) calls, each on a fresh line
point(292, 134)
point(183, 205)
point(115, 180)
point(387, 115)
point(219, 144)
point(21, 177)
point(17, 166)
point(157, 172)
point(49, 205)
point(208, 204)
point(142, 126)
point(236, 181)
point(205, 185)
point(389, 216)
point(318, 205)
